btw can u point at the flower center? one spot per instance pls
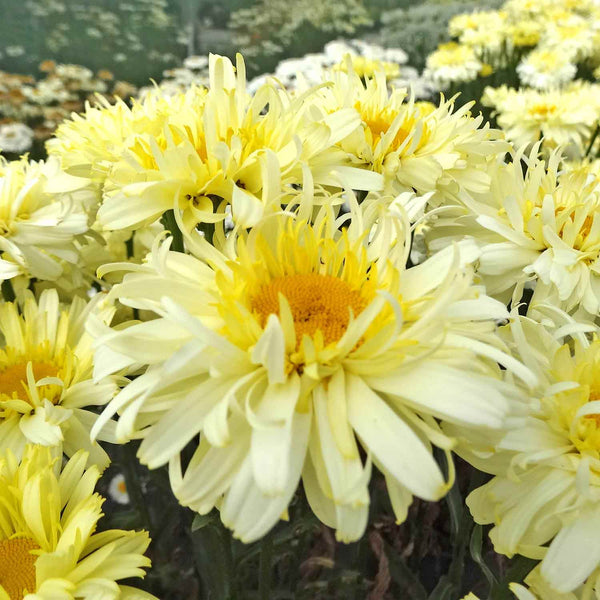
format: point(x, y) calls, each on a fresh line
point(317, 302)
point(13, 379)
point(17, 567)
point(542, 110)
point(379, 122)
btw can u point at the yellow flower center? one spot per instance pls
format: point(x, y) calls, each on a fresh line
point(542, 110)
point(317, 302)
point(378, 123)
point(13, 379)
point(17, 567)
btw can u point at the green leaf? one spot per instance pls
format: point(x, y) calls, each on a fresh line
point(201, 521)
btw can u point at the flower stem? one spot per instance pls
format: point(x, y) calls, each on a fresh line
point(134, 487)
point(266, 558)
point(170, 224)
point(592, 140)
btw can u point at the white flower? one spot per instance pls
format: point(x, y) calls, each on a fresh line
point(15, 137)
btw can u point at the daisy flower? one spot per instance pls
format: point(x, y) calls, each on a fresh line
point(117, 489)
point(538, 226)
point(452, 63)
point(237, 150)
point(48, 545)
point(293, 352)
point(547, 68)
point(564, 118)
point(38, 226)
point(411, 145)
point(46, 363)
point(89, 144)
point(544, 501)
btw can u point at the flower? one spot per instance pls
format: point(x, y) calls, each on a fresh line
point(38, 226)
point(539, 226)
point(539, 589)
point(564, 118)
point(286, 352)
point(247, 152)
point(452, 63)
point(118, 489)
point(46, 382)
point(547, 68)
point(412, 146)
point(15, 137)
point(544, 501)
point(48, 545)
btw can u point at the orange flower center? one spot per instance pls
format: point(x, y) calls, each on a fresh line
point(17, 567)
point(13, 379)
point(317, 302)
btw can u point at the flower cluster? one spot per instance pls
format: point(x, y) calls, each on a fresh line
point(31, 109)
point(309, 282)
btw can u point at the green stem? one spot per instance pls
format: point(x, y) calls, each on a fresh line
point(134, 487)
point(266, 559)
point(170, 224)
point(592, 140)
point(8, 293)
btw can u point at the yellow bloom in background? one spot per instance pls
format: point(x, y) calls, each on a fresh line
point(546, 489)
point(42, 211)
point(547, 68)
point(565, 118)
point(49, 547)
point(295, 350)
point(484, 31)
point(237, 150)
point(46, 386)
point(367, 67)
point(541, 226)
point(415, 145)
point(452, 63)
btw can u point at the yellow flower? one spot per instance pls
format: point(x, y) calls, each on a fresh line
point(562, 118)
point(246, 152)
point(48, 545)
point(452, 63)
point(544, 501)
point(46, 384)
point(413, 146)
point(534, 226)
point(367, 67)
point(292, 350)
point(38, 227)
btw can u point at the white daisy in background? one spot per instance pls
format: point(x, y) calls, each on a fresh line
point(38, 224)
point(295, 350)
point(49, 548)
point(536, 225)
point(46, 387)
point(117, 489)
point(452, 63)
point(15, 137)
point(544, 501)
point(547, 68)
